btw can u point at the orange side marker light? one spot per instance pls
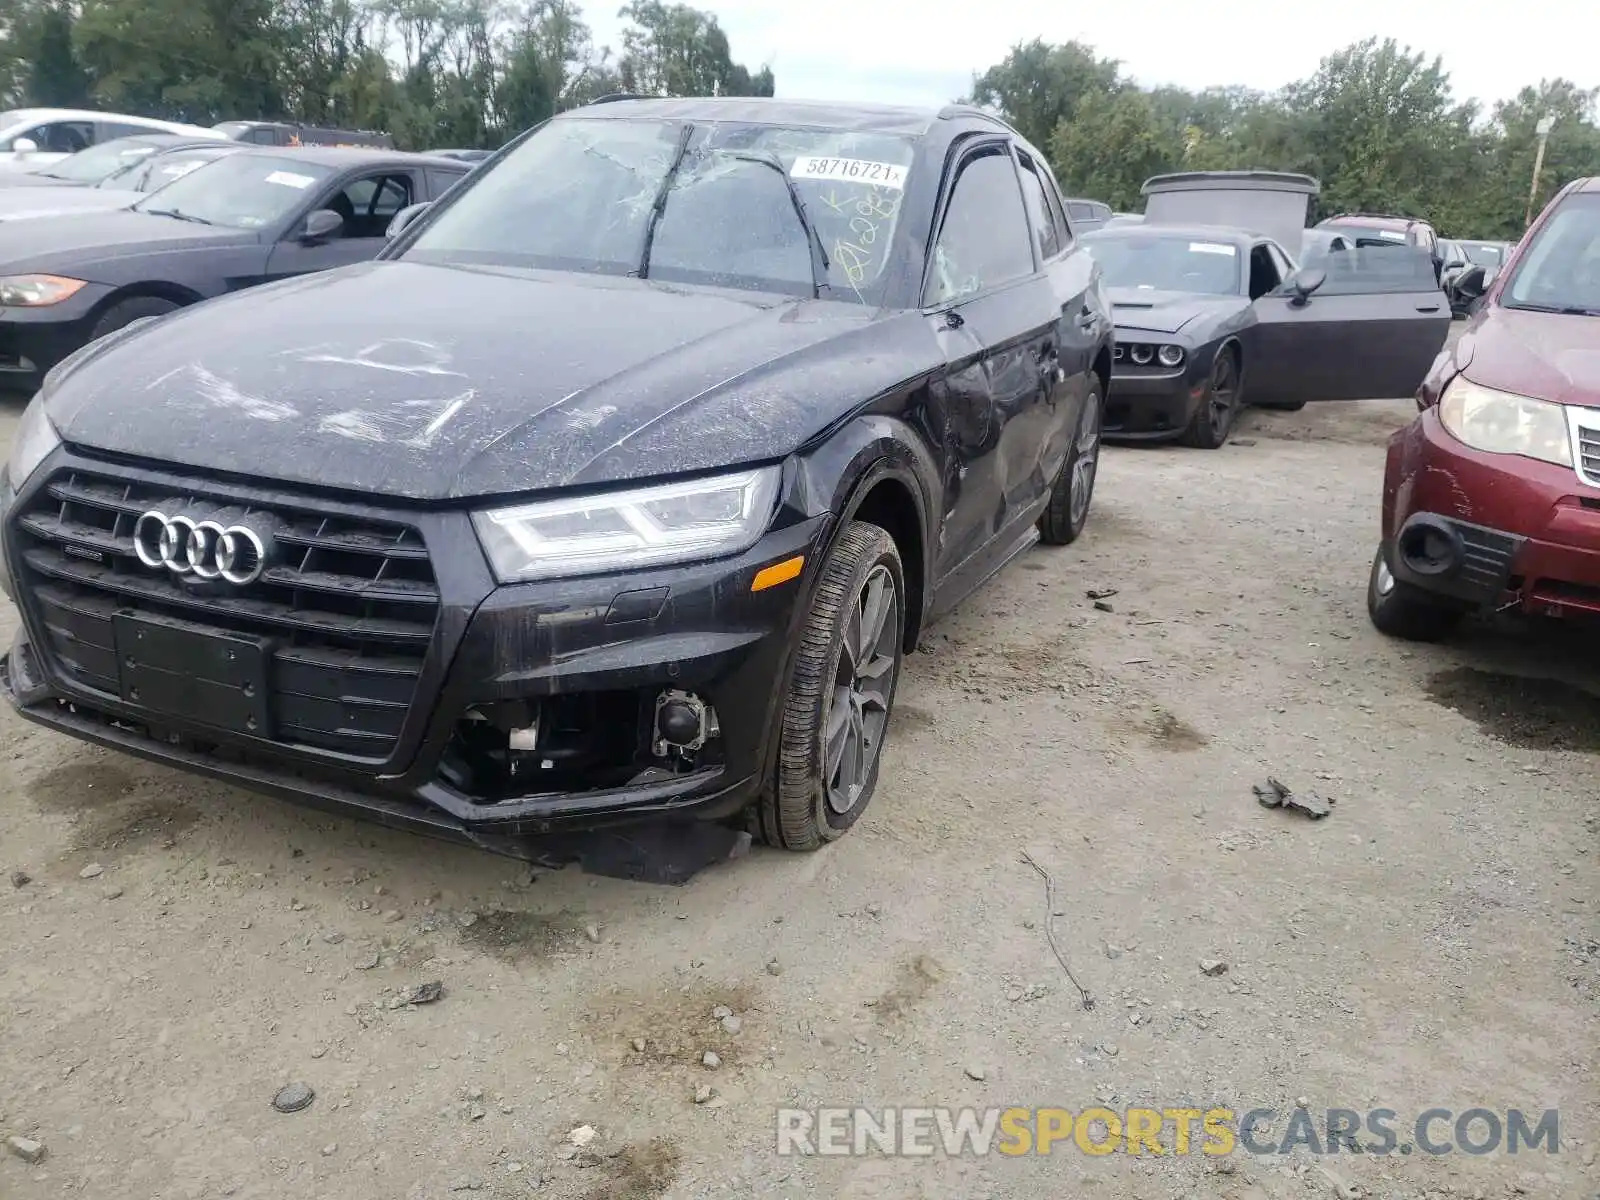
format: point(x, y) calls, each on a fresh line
point(769, 577)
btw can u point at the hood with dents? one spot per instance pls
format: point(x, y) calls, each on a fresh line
point(1549, 356)
point(436, 383)
point(1164, 312)
point(20, 203)
point(64, 243)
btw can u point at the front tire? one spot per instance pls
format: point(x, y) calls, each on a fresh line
point(837, 710)
point(1400, 610)
point(1067, 513)
point(1214, 415)
point(125, 312)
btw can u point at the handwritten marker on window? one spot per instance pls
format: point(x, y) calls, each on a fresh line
point(769, 577)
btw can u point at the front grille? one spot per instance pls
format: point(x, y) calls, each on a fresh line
point(346, 611)
point(1588, 453)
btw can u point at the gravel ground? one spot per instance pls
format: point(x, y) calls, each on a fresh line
point(184, 950)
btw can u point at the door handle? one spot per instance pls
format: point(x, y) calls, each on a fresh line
point(1427, 308)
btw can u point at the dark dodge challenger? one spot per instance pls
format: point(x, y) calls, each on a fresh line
point(616, 489)
point(1209, 319)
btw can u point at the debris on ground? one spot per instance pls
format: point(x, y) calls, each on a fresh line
point(1049, 931)
point(424, 993)
point(293, 1097)
point(20, 879)
point(592, 932)
point(27, 1149)
point(582, 1135)
point(1213, 966)
point(1274, 794)
point(1104, 606)
point(1101, 593)
point(976, 1073)
point(774, 967)
point(704, 1093)
point(711, 1060)
point(92, 871)
point(731, 1025)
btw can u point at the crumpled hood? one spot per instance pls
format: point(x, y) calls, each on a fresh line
point(1549, 356)
point(1162, 312)
point(31, 202)
point(437, 383)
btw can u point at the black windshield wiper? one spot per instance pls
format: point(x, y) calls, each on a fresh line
point(659, 204)
point(174, 213)
point(1566, 310)
point(819, 257)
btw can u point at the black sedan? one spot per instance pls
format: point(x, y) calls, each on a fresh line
point(1209, 319)
point(91, 167)
point(246, 218)
point(617, 489)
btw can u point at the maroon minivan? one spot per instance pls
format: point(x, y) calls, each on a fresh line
point(1491, 497)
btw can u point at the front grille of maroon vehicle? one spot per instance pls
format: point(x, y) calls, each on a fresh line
point(346, 610)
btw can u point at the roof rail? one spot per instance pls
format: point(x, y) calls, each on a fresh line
point(1381, 216)
point(615, 96)
point(972, 110)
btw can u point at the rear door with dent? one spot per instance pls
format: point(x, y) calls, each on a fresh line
point(1371, 331)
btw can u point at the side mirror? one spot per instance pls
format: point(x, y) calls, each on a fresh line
point(24, 146)
point(1305, 281)
point(404, 218)
point(1472, 283)
point(321, 225)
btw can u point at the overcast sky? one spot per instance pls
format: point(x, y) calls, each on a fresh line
point(925, 51)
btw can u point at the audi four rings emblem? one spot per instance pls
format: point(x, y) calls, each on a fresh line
point(205, 549)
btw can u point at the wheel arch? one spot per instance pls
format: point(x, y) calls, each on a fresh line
point(156, 289)
point(886, 498)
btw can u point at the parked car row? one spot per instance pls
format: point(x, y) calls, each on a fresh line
point(185, 223)
point(622, 481)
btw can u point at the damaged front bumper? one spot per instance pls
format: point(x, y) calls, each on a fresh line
point(1489, 531)
point(534, 709)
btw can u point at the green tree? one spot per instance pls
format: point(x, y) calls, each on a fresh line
point(1111, 145)
point(675, 50)
point(1038, 85)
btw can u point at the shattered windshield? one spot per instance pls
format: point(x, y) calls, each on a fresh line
point(764, 207)
point(1167, 264)
point(1560, 270)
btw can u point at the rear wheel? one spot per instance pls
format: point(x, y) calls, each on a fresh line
point(1073, 491)
point(1213, 416)
point(125, 312)
point(837, 710)
point(1400, 610)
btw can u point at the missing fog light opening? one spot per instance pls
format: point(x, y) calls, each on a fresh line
point(684, 723)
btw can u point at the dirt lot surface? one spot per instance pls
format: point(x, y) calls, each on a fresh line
point(182, 950)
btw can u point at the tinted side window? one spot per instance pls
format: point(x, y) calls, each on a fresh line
point(983, 241)
point(263, 137)
point(117, 129)
point(368, 204)
point(1280, 260)
point(1045, 230)
point(440, 182)
point(1083, 212)
point(61, 137)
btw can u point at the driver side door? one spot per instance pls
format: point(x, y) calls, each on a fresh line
point(367, 202)
point(1371, 331)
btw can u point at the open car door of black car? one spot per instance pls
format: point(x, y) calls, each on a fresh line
point(1371, 330)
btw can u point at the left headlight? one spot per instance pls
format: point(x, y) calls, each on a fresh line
point(1505, 423)
point(620, 531)
point(37, 291)
point(32, 443)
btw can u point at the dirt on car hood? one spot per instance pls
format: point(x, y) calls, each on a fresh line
point(435, 383)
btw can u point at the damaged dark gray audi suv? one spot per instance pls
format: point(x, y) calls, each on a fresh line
point(617, 489)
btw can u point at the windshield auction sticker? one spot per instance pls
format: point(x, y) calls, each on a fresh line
point(290, 179)
point(1211, 248)
point(850, 170)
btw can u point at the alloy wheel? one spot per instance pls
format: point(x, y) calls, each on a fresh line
point(858, 707)
point(1086, 459)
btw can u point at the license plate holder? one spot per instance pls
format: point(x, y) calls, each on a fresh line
point(194, 674)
